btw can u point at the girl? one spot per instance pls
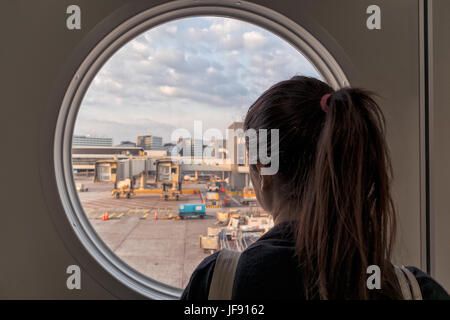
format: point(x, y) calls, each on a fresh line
point(330, 200)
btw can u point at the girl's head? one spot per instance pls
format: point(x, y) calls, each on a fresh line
point(333, 180)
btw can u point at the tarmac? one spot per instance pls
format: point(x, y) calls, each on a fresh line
point(164, 249)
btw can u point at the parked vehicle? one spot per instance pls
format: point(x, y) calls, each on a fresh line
point(248, 195)
point(192, 210)
point(81, 187)
point(123, 189)
point(212, 198)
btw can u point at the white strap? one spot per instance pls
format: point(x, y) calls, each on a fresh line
point(406, 292)
point(222, 282)
point(408, 284)
point(415, 288)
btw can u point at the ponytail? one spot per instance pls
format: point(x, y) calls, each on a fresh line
point(347, 218)
point(334, 177)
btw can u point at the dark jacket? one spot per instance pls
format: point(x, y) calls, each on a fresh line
point(267, 270)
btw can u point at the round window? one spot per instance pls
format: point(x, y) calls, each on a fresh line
point(152, 179)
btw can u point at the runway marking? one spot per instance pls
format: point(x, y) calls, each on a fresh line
point(120, 215)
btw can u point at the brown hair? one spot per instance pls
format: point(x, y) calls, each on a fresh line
point(336, 174)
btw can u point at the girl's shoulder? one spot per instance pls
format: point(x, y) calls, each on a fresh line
point(430, 288)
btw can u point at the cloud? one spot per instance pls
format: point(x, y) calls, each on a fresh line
point(138, 46)
point(189, 69)
point(172, 29)
point(168, 90)
point(254, 40)
point(225, 26)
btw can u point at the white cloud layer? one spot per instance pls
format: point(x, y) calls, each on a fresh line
point(204, 68)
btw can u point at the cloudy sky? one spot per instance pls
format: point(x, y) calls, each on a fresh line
point(204, 68)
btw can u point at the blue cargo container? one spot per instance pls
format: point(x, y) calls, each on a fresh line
point(191, 210)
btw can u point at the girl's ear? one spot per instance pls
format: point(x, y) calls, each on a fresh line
point(265, 180)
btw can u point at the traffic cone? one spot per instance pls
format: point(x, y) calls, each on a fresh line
point(156, 214)
point(105, 216)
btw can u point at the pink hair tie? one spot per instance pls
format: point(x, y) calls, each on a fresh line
point(323, 102)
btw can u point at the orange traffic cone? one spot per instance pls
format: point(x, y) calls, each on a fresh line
point(156, 214)
point(105, 216)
